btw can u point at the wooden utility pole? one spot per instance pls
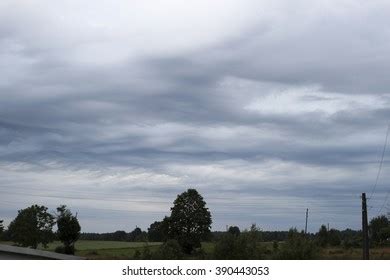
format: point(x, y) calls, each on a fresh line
point(307, 215)
point(366, 248)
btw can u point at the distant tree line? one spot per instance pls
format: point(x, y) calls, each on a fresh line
point(137, 235)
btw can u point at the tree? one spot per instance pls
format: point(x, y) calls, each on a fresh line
point(334, 238)
point(158, 231)
point(190, 220)
point(32, 226)
point(154, 232)
point(68, 228)
point(137, 235)
point(377, 228)
point(234, 230)
point(322, 236)
point(120, 235)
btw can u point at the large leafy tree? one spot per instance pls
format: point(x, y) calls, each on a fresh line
point(190, 220)
point(68, 228)
point(32, 226)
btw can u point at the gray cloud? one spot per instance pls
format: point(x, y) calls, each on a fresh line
point(266, 108)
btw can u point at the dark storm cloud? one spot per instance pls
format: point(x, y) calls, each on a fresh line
point(287, 108)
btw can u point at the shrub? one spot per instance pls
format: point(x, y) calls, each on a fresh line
point(170, 250)
point(69, 250)
point(239, 247)
point(146, 254)
point(137, 255)
point(297, 247)
point(60, 250)
point(225, 248)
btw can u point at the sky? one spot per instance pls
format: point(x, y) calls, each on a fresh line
point(265, 107)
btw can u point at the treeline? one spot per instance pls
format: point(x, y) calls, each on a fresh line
point(348, 238)
point(137, 235)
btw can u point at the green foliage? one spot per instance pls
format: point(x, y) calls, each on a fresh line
point(68, 229)
point(239, 247)
point(275, 246)
point(170, 250)
point(322, 236)
point(384, 234)
point(154, 232)
point(69, 250)
point(158, 231)
point(137, 255)
point(334, 237)
point(190, 220)
point(137, 235)
point(226, 247)
point(297, 247)
point(351, 239)
point(146, 253)
point(378, 230)
point(120, 235)
point(234, 230)
point(32, 226)
point(326, 237)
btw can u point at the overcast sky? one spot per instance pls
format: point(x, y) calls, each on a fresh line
point(265, 107)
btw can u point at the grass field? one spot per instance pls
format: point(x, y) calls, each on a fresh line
point(84, 245)
point(108, 249)
point(336, 253)
point(92, 249)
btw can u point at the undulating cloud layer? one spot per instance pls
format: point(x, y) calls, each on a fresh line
point(266, 107)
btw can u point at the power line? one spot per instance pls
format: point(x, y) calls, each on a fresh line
point(384, 203)
point(381, 163)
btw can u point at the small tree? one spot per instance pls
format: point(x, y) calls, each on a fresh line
point(377, 226)
point(137, 235)
point(334, 238)
point(68, 229)
point(190, 220)
point(158, 231)
point(322, 236)
point(32, 226)
point(234, 230)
